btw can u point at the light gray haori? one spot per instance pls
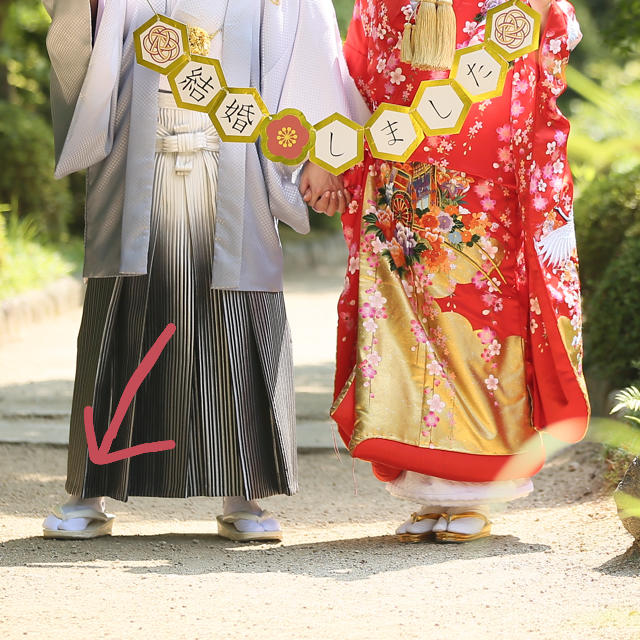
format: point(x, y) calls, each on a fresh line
point(105, 110)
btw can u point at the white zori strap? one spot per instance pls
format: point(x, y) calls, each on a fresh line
point(245, 515)
point(81, 512)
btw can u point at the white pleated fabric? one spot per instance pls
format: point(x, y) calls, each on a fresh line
point(437, 492)
point(223, 386)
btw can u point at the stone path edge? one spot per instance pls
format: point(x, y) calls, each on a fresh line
point(66, 293)
point(39, 304)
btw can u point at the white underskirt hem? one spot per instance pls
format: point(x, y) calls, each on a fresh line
point(437, 492)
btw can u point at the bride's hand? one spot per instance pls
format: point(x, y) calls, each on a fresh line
point(323, 191)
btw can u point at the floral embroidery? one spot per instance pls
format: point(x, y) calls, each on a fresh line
point(495, 189)
point(491, 382)
point(420, 218)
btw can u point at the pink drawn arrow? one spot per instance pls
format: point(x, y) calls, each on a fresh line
point(102, 454)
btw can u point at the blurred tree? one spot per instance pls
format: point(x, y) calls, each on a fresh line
point(26, 139)
point(26, 179)
point(4, 84)
point(619, 22)
point(612, 327)
point(604, 120)
point(24, 54)
point(23, 58)
point(607, 215)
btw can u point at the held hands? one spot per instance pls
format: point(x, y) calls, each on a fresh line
point(324, 192)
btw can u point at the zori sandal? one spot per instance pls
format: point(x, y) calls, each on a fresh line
point(425, 535)
point(100, 525)
point(452, 536)
point(227, 528)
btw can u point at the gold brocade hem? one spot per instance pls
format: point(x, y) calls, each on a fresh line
point(431, 371)
point(572, 342)
point(341, 396)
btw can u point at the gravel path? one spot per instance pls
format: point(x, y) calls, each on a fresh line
point(553, 569)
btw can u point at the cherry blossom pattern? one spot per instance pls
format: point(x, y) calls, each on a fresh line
point(371, 312)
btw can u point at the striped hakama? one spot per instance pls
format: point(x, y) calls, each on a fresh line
point(222, 387)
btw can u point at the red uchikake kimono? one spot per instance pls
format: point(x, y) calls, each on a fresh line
point(459, 334)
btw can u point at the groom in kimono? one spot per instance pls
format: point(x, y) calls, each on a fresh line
point(182, 228)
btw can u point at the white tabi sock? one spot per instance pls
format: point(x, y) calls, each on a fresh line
point(75, 524)
point(239, 504)
point(421, 526)
point(467, 526)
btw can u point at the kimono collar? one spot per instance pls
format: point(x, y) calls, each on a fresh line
point(206, 14)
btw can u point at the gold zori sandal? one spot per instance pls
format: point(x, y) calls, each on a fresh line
point(419, 537)
point(452, 536)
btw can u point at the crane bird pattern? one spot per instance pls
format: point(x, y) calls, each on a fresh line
point(559, 245)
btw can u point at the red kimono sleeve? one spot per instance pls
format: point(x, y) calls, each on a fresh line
point(355, 52)
point(355, 46)
point(545, 191)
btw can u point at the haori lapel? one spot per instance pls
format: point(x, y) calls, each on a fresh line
point(140, 156)
point(237, 51)
point(279, 27)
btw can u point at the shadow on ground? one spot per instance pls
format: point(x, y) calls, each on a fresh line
point(626, 564)
point(344, 560)
point(33, 482)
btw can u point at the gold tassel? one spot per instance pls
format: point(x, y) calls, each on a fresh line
point(433, 37)
point(446, 34)
point(424, 39)
point(406, 48)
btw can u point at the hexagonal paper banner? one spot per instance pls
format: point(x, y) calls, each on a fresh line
point(161, 44)
point(339, 144)
point(513, 28)
point(441, 107)
point(287, 137)
point(393, 133)
point(480, 72)
point(197, 84)
point(238, 114)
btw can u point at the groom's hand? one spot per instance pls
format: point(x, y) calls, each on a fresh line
point(323, 191)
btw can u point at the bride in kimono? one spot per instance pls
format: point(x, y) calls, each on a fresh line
point(182, 228)
point(459, 332)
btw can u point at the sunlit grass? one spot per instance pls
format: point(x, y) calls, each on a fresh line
point(621, 443)
point(28, 262)
point(615, 433)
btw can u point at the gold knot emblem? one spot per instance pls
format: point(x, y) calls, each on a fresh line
point(512, 29)
point(162, 43)
point(199, 41)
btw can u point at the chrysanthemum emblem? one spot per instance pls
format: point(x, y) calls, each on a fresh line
point(287, 137)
